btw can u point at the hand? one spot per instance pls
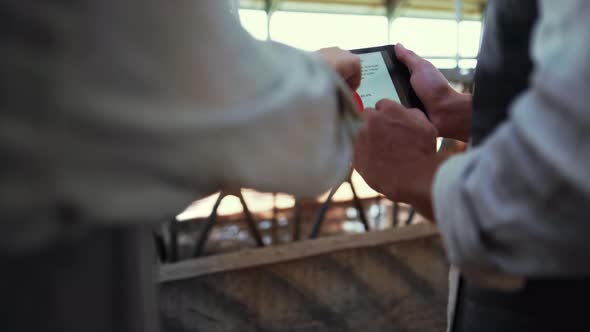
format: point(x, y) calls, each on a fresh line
point(395, 153)
point(449, 110)
point(345, 63)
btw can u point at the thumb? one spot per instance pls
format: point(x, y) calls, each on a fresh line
point(407, 57)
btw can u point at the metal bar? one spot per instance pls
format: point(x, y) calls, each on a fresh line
point(297, 210)
point(173, 229)
point(319, 219)
point(395, 215)
point(458, 18)
point(390, 10)
point(393, 11)
point(160, 246)
point(410, 217)
point(359, 206)
point(269, 7)
point(274, 230)
point(379, 218)
point(251, 222)
point(207, 227)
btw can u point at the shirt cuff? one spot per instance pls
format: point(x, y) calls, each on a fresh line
point(459, 226)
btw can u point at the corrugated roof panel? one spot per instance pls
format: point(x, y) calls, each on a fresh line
point(472, 9)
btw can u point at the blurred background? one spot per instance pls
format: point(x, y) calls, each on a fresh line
point(446, 32)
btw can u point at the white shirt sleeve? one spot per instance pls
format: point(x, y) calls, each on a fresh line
point(156, 103)
point(519, 202)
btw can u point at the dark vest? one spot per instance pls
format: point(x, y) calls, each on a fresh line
point(503, 72)
point(504, 64)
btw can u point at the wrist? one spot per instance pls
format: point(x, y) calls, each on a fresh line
point(452, 117)
point(417, 191)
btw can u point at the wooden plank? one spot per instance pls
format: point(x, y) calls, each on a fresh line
point(263, 256)
point(395, 285)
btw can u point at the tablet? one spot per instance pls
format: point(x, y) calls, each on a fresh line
point(384, 76)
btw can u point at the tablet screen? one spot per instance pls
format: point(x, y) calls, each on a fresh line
point(376, 82)
point(384, 77)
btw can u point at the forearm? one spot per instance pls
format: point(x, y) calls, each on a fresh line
point(418, 190)
point(162, 111)
point(224, 105)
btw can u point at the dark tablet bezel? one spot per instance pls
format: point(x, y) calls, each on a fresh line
point(400, 75)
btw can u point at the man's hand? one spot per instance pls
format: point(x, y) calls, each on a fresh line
point(345, 63)
point(449, 110)
point(396, 154)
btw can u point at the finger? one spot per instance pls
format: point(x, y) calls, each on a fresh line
point(407, 57)
point(418, 113)
point(368, 117)
point(387, 104)
point(354, 80)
